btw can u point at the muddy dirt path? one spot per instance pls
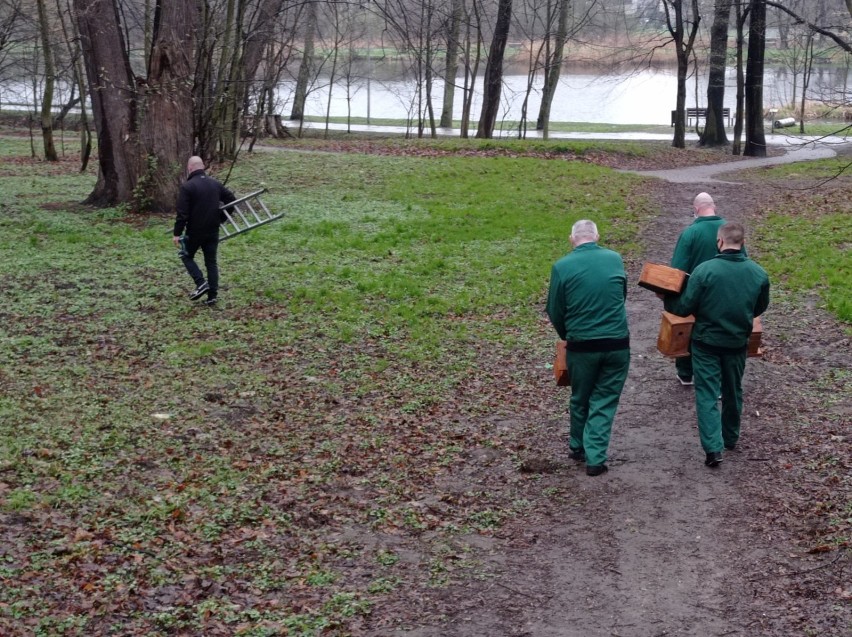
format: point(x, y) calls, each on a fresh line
point(661, 545)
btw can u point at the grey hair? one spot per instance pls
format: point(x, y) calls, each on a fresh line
point(584, 229)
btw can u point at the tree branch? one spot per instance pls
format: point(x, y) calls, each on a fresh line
point(846, 46)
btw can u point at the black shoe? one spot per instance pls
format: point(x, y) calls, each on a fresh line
point(714, 459)
point(685, 380)
point(596, 469)
point(577, 454)
point(200, 291)
point(730, 447)
point(211, 300)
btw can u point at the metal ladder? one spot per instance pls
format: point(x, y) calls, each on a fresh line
point(245, 214)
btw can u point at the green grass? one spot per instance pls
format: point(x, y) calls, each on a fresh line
point(817, 127)
point(164, 462)
point(822, 170)
point(155, 449)
point(804, 241)
point(807, 254)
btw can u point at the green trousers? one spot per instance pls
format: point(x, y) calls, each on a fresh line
point(597, 379)
point(715, 375)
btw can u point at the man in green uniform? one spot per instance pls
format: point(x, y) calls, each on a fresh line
point(724, 294)
point(696, 244)
point(585, 303)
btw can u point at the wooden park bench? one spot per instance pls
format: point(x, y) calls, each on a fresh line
point(701, 113)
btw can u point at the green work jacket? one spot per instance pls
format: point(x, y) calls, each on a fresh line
point(725, 294)
point(697, 243)
point(588, 288)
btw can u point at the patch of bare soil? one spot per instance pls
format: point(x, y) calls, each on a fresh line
point(662, 545)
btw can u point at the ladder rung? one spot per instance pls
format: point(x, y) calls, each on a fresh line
point(251, 209)
point(240, 215)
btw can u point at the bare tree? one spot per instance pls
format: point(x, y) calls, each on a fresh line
point(49, 82)
point(742, 12)
point(451, 63)
point(830, 33)
point(306, 66)
point(416, 36)
point(806, 76)
point(493, 81)
point(683, 31)
point(555, 56)
point(72, 43)
point(714, 128)
point(755, 139)
point(553, 64)
point(472, 57)
point(11, 17)
point(534, 20)
point(268, 45)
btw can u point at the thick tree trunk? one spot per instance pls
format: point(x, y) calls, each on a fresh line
point(553, 68)
point(494, 71)
point(451, 66)
point(113, 96)
point(165, 122)
point(714, 129)
point(755, 140)
point(144, 128)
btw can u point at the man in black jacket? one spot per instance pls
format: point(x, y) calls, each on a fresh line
point(199, 216)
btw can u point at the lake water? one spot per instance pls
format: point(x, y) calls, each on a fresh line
point(644, 97)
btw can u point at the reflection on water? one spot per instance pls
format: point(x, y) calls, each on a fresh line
point(645, 97)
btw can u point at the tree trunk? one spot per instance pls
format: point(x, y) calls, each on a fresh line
point(553, 68)
point(679, 139)
point(260, 34)
point(73, 46)
point(165, 122)
point(807, 69)
point(683, 41)
point(113, 97)
point(233, 93)
point(306, 67)
point(451, 67)
point(471, 69)
point(493, 81)
point(144, 127)
point(740, 110)
point(49, 80)
point(755, 140)
point(333, 75)
point(714, 129)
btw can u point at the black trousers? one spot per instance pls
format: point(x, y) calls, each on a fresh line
point(209, 247)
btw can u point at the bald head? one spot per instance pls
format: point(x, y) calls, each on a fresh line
point(194, 163)
point(703, 205)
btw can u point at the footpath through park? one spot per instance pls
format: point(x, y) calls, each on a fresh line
point(660, 545)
